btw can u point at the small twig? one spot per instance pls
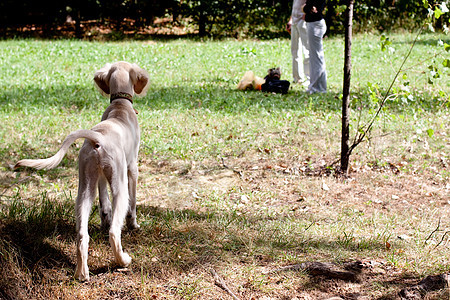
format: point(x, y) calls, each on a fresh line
point(442, 239)
point(310, 225)
point(218, 281)
point(422, 62)
point(434, 231)
point(333, 163)
point(437, 229)
point(379, 136)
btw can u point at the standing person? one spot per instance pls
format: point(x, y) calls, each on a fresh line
point(299, 43)
point(317, 27)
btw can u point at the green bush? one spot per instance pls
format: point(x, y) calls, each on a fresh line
point(233, 18)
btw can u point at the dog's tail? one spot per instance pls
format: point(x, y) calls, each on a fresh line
point(52, 162)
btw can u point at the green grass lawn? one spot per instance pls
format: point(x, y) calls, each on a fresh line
point(229, 180)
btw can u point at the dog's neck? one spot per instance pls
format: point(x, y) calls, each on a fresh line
point(121, 96)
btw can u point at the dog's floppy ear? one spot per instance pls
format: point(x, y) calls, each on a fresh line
point(101, 79)
point(139, 78)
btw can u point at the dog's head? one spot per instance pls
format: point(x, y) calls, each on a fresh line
point(274, 73)
point(121, 77)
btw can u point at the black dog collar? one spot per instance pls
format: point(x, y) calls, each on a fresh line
point(121, 96)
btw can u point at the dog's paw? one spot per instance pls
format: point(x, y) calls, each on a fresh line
point(132, 224)
point(134, 227)
point(81, 275)
point(125, 260)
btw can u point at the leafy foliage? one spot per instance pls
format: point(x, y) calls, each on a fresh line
point(236, 18)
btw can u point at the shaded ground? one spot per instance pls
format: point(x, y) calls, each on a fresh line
point(98, 30)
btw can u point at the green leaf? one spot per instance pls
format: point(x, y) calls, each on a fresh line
point(446, 47)
point(384, 42)
point(438, 13)
point(446, 63)
point(430, 132)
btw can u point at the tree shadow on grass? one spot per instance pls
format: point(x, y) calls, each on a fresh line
point(191, 238)
point(28, 258)
point(233, 101)
point(425, 41)
point(39, 237)
point(212, 96)
point(36, 246)
point(212, 237)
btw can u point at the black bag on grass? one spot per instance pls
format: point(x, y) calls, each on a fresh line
point(275, 86)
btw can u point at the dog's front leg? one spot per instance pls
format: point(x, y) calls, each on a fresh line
point(132, 183)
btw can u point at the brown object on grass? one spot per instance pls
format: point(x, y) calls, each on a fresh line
point(250, 82)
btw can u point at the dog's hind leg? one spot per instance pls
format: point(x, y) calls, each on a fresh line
point(119, 191)
point(105, 204)
point(132, 182)
point(86, 194)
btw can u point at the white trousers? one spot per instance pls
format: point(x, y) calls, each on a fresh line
point(300, 52)
point(318, 72)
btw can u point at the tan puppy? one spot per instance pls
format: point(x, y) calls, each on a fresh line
point(108, 156)
point(250, 82)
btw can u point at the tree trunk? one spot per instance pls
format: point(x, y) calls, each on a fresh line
point(345, 139)
point(202, 24)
